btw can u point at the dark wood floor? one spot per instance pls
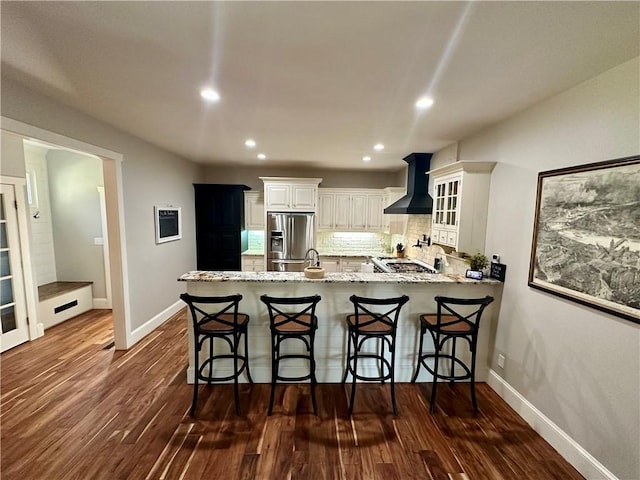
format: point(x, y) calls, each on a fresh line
point(73, 408)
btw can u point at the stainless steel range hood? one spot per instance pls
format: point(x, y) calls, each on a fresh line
point(417, 200)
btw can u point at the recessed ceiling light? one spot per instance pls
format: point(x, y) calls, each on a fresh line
point(210, 94)
point(250, 143)
point(424, 102)
point(378, 146)
point(366, 159)
point(262, 156)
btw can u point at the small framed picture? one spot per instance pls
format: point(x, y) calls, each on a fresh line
point(168, 224)
point(475, 274)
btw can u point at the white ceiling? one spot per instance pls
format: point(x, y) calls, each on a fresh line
point(316, 84)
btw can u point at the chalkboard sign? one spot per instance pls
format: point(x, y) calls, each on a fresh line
point(168, 225)
point(498, 271)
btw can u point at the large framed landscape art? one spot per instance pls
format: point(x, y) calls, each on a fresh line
point(586, 238)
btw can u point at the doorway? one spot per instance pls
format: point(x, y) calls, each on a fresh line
point(67, 217)
point(115, 234)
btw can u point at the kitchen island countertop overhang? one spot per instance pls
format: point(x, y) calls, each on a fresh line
point(335, 290)
point(352, 277)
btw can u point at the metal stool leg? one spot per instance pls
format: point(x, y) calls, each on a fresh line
point(312, 368)
point(393, 375)
point(420, 357)
point(353, 373)
point(196, 374)
point(274, 370)
point(473, 378)
point(236, 395)
point(435, 377)
point(346, 367)
point(246, 356)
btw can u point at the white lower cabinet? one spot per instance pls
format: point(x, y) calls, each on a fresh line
point(253, 263)
point(353, 264)
point(341, 265)
point(330, 264)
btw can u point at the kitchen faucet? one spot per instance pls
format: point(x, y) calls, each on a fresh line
point(307, 257)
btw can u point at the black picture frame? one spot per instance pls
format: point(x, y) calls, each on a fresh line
point(586, 237)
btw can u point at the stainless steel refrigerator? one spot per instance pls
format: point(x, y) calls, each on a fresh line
point(289, 236)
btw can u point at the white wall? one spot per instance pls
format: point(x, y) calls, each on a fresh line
point(579, 367)
point(12, 159)
point(76, 216)
point(42, 251)
point(250, 176)
point(150, 176)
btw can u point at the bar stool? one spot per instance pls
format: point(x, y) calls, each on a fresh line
point(226, 323)
point(374, 318)
point(301, 325)
point(456, 318)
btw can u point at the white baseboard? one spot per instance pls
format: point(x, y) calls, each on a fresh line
point(149, 326)
point(575, 454)
point(101, 304)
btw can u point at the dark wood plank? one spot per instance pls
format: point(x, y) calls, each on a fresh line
point(73, 409)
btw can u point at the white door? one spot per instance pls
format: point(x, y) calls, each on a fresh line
point(13, 308)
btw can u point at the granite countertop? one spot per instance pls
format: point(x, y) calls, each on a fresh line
point(298, 277)
point(329, 254)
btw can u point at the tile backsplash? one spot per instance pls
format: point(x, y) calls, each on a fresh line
point(353, 242)
point(419, 225)
point(255, 238)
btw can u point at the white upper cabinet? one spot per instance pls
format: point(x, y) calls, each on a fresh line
point(341, 211)
point(375, 213)
point(278, 197)
point(460, 202)
point(394, 222)
point(285, 194)
point(326, 202)
point(304, 197)
point(253, 210)
point(358, 212)
point(349, 210)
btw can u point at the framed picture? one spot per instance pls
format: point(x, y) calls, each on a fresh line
point(168, 224)
point(586, 237)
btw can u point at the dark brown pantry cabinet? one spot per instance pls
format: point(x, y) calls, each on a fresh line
point(220, 234)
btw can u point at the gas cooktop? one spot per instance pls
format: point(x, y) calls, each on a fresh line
point(401, 265)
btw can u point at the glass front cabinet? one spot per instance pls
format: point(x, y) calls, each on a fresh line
point(461, 198)
point(445, 213)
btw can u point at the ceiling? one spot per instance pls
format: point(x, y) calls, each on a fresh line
point(315, 84)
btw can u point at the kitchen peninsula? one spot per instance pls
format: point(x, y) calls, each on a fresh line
point(335, 290)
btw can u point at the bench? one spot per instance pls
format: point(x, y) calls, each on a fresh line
point(59, 301)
